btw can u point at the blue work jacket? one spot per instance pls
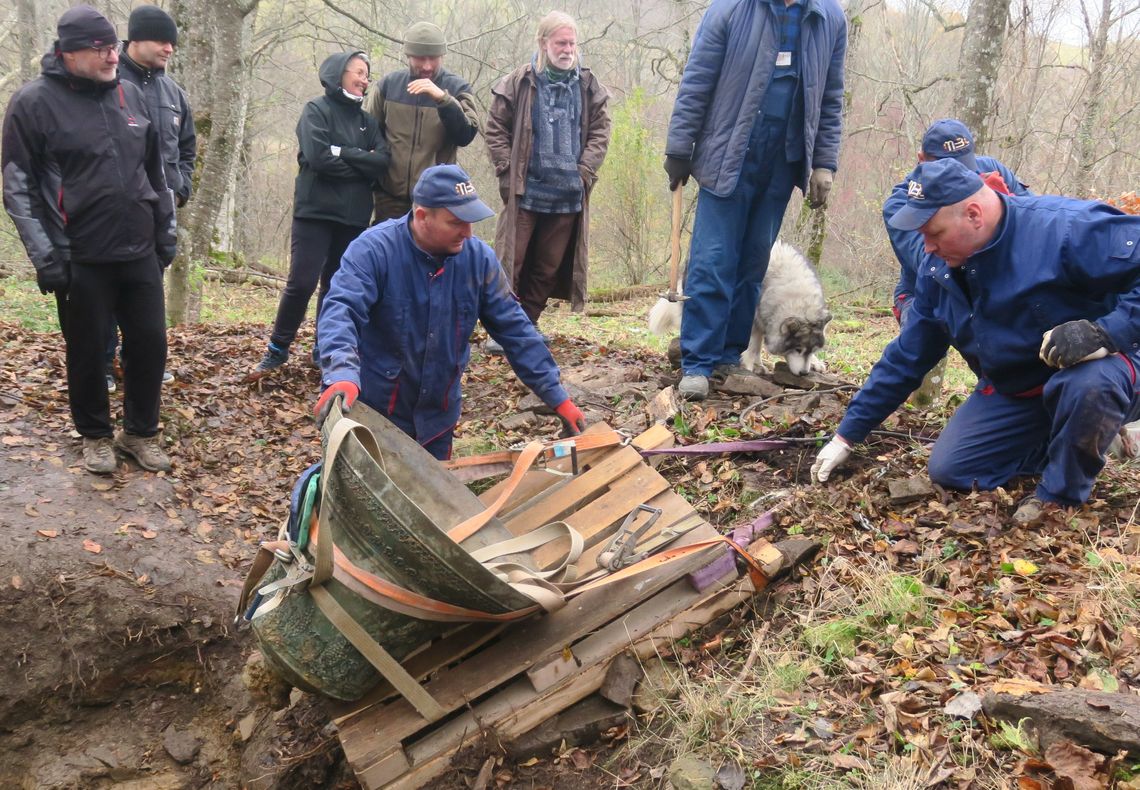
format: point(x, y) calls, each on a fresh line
point(908, 245)
point(397, 322)
point(1052, 260)
point(727, 74)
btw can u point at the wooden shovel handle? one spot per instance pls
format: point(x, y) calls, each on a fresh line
point(675, 251)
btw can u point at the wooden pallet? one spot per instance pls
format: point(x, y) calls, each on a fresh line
point(508, 679)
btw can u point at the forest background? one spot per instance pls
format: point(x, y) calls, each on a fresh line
point(1051, 88)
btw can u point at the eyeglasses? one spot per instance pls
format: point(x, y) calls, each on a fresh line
point(105, 52)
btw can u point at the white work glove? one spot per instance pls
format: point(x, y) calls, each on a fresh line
point(1073, 342)
point(819, 186)
point(830, 458)
point(334, 150)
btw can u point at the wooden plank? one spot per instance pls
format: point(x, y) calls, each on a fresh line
point(450, 648)
point(537, 481)
point(580, 490)
point(366, 738)
point(604, 512)
point(520, 707)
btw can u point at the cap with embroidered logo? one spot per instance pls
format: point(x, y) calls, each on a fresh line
point(950, 138)
point(935, 185)
point(449, 187)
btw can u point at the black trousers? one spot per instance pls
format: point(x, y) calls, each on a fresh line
point(316, 247)
point(132, 292)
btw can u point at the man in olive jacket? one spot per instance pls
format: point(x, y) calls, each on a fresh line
point(425, 114)
point(546, 171)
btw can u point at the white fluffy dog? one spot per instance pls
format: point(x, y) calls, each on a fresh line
point(790, 318)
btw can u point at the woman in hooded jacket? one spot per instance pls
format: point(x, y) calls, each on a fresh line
point(341, 154)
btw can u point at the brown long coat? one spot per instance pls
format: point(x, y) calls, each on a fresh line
point(509, 135)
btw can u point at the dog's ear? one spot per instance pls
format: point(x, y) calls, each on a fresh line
point(792, 326)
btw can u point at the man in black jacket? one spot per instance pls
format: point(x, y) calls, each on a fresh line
point(151, 38)
point(341, 155)
point(84, 185)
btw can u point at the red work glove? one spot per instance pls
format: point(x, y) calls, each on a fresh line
point(346, 388)
point(995, 182)
point(573, 420)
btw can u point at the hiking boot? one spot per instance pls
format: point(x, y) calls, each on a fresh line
point(722, 372)
point(693, 387)
point(274, 358)
point(111, 385)
point(99, 455)
point(493, 348)
point(1029, 511)
point(167, 377)
point(146, 450)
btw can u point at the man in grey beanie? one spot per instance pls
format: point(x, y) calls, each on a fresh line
point(425, 112)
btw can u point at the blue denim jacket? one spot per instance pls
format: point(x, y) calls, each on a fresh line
point(727, 74)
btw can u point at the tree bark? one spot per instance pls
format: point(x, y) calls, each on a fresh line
point(1093, 99)
point(979, 64)
point(221, 62)
point(26, 35)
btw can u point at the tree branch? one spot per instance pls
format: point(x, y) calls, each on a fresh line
point(362, 23)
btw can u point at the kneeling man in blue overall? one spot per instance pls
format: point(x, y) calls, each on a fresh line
point(1041, 296)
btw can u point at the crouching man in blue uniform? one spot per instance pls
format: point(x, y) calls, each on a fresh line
point(1041, 296)
point(398, 316)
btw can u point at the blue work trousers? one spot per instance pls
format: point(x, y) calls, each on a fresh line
point(1062, 434)
point(732, 239)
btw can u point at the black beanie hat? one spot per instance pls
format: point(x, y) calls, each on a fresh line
point(82, 27)
point(151, 23)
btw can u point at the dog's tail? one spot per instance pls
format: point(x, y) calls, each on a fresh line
point(665, 318)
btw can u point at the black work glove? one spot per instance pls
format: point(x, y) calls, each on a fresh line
point(679, 171)
point(55, 277)
point(165, 256)
point(1075, 341)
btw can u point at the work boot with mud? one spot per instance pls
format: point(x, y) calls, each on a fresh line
point(1029, 511)
point(146, 450)
point(693, 387)
point(99, 455)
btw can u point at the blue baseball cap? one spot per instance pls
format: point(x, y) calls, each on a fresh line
point(949, 138)
point(936, 184)
point(449, 187)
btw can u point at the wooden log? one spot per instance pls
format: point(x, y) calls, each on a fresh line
point(1101, 721)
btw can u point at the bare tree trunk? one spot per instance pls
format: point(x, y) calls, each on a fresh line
point(223, 32)
point(979, 64)
point(26, 35)
point(1093, 98)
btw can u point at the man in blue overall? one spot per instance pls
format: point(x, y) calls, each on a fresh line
point(396, 324)
point(759, 111)
point(1041, 296)
point(946, 138)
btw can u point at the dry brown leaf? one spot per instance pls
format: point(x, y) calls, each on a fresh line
point(1077, 764)
point(1019, 687)
point(17, 582)
point(91, 546)
point(849, 762)
point(149, 534)
point(47, 533)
